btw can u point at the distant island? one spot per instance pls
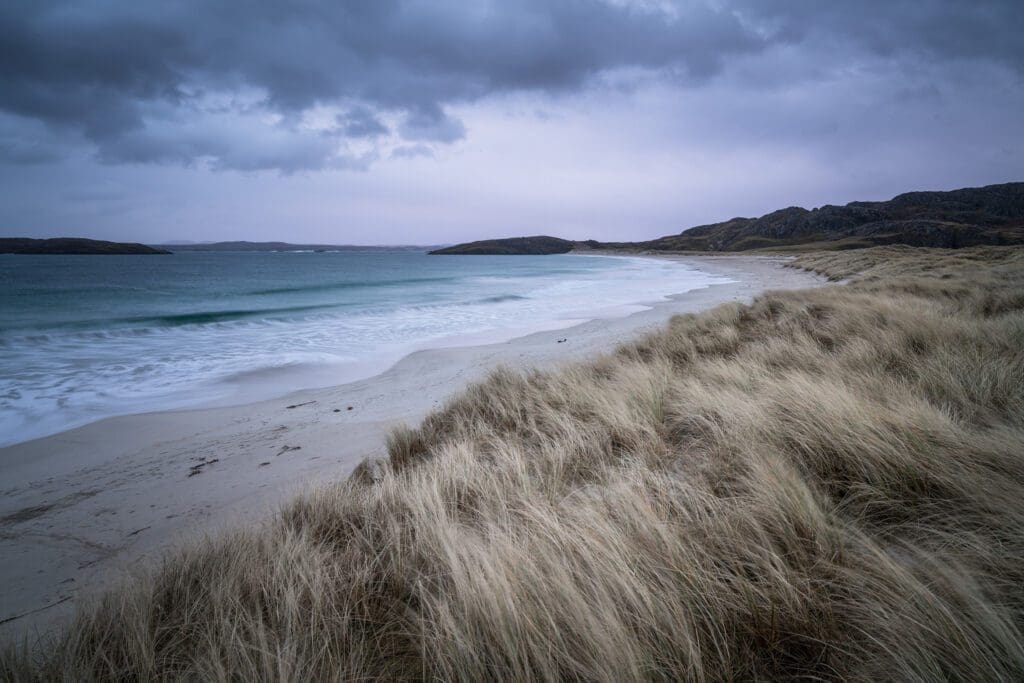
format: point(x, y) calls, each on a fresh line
point(991, 215)
point(539, 245)
point(80, 245)
point(72, 245)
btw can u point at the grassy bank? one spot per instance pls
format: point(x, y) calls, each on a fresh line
point(827, 483)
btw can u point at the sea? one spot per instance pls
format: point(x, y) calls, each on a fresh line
point(88, 337)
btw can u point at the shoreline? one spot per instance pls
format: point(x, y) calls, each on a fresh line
point(83, 506)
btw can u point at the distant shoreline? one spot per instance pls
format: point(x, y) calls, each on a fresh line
point(81, 246)
point(74, 246)
point(245, 247)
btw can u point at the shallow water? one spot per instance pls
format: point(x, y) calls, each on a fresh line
point(87, 337)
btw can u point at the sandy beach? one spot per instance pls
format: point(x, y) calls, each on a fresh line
point(81, 508)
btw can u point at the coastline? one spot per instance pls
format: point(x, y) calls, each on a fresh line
point(82, 506)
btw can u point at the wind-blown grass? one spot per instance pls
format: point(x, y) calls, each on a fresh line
point(826, 483)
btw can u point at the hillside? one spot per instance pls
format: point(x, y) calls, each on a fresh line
point(72, 245)
point(991, 215)
point(538, 245)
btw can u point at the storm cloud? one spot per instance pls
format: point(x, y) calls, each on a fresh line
point(321, 85)
point(429, 121)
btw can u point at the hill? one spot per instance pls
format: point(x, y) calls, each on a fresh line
point(72, 245)
point(537, 245)
point(991, 215)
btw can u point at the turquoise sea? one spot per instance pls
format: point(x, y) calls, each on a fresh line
point(87, 337)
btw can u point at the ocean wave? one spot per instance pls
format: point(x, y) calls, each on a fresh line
point(332, 286)
point(137, 326)
point(501, 298)
point(207, 317)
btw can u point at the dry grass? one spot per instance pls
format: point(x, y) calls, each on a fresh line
point(824, 484)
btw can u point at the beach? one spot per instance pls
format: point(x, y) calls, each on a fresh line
point(82, 507)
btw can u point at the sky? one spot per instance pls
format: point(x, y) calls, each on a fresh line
point(430, 122)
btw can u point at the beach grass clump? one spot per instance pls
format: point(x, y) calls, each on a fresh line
point(823, 484)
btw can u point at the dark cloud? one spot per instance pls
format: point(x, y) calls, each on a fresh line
point(360, 122)
point(164, 82)
point(24, 143)
point(936, 29)
point(237, 149)
point(27, 152)
point(431, 124)
point(412, 152)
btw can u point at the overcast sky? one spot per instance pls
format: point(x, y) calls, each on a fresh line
point(391, 121)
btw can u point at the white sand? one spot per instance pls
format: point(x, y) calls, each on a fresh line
point(81, 508)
